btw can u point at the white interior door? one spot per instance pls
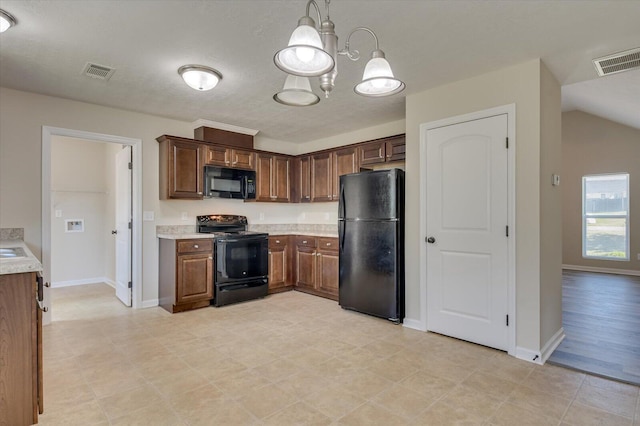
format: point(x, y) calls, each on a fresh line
point(467, 218)
point(123, 232)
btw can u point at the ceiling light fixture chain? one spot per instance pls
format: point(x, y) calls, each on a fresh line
point(313, 52)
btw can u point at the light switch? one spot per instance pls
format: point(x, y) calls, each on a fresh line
point(58, 213)
point(555, 180)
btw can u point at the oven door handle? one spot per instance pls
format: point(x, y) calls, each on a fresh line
point(235, 240)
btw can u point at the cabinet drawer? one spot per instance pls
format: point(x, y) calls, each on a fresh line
point(278, 241)
point(327, 243)
point(302, 241)
point(195, 246)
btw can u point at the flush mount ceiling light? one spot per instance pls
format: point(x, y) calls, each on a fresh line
point(6, 21)
point(313, 52)
point(200, 77)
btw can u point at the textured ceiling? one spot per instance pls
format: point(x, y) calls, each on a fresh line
point(428, 43)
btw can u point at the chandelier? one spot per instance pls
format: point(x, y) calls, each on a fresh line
point(313, 52)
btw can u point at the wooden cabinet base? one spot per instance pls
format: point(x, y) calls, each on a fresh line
point(317, 293)
point(280, 289)
point(186, 306)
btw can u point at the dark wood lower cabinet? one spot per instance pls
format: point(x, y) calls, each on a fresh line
point(317, 266)
point(20, 350)
point(280, 264)
point(186, 274)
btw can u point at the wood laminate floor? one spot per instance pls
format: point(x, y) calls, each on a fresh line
point(601, 320)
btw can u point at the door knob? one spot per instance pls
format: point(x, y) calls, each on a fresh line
point(431, 240)
point(114, 232)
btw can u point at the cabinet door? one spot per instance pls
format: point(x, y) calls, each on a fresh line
point(185, 170)
point(243, 159)
point(395, 148)
point(280, 179)
point(345, 161)
point(278, 262)
point(328, 266)
point(217, 156)
point(306, 267)
point(194, 277)
point(305, 178)
point(372, 153)
point(263, 177)
point(321, 177)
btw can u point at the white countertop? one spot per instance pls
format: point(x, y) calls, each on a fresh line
point(18, 265)
point(179, 232)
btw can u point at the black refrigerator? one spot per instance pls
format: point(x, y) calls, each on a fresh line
point(371, 236)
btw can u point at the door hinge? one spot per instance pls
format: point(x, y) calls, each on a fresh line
point(507, 143)
point(507, 320)
point(507, 230)
point(131, 285)
point(130, 225)
point(130, 166)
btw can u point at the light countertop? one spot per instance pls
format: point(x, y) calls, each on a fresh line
point(18, 265)
point(179, 232)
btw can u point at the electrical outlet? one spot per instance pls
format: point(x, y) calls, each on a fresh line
point(59, 214)
point(261, 216)
point(184, 216)
point(148, 216)
point(638, 256)
point(326, 216)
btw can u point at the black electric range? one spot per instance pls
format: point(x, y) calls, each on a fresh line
point(241, 258)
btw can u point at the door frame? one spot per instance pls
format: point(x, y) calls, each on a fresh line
point(510, 110)
point(48, 133)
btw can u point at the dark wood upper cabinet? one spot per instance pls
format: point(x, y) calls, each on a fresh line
point(304, 178)
point(345, 161)
point(272, 176)
point(383, 150)
point(181, 169)
point(322, 177)
point(230, 157)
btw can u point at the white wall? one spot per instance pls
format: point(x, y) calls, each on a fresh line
point(79, 191)
point(594, 145)
point(519, 84)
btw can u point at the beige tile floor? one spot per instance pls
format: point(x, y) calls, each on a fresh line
point(293, 358)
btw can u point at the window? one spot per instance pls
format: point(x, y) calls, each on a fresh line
point(605, 216)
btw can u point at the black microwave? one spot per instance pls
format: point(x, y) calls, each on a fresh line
point(222, 182)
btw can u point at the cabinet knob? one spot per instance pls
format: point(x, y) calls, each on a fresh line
point(317, 254)
point(210, 257)
point(304, 241)
point(199, 193)
point(328, 244)
point(195, 246)
point(277, 241)
point(269, 251)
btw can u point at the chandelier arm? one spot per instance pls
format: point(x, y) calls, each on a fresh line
point(354, 55)
point(315, 5)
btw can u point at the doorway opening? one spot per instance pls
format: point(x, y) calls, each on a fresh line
point(65, 192)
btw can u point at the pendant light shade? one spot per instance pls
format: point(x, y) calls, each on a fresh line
point(6, 21)
point(378, 79)
point(296, 92)
point(199, 77)
point(304, 55)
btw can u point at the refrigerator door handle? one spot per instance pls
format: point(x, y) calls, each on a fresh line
point(341, 224)
point(341, 213)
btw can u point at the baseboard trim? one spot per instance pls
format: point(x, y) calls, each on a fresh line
point(552, 344)
point(601, 270)
point(150, 303)
point(84, 281)
point(414, 324)
point(529, 355)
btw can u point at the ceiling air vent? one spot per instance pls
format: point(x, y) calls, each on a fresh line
point(98, 71)
point(618, 62)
